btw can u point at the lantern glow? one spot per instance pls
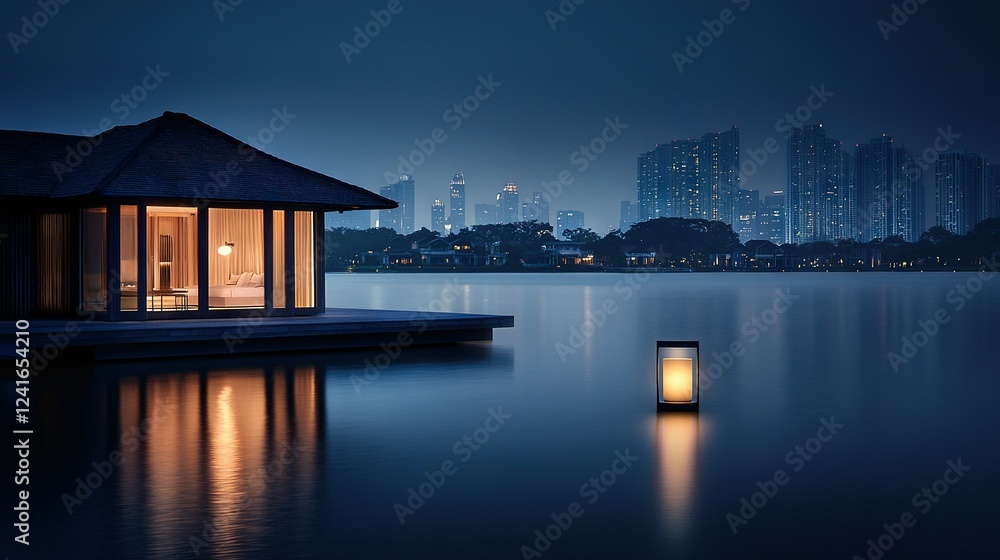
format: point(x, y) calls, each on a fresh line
point(677, 375)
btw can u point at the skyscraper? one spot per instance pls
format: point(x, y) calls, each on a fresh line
point(457, 217)
point(568, 219)
point(771, 218)
point(437, 216)
point(721, 167)
point(507, 204)
point(627, 216)
point(849, 196)
point(748, 208)
point(652, 176)
point(690, 178)
point(686, 189)
point(992, 198)
point(813, 206)
point(536, 209)
point(961, 191)
point(400, 218)
point(890, 192)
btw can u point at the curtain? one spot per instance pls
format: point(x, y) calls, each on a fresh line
point(53, 263)
point(244, 228)
point(184, 262)
point(304, 247)
point(279, 259)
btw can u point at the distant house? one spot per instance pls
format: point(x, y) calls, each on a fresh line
point(435, 251)
point(475, 249)
point(564, 253)
point(761, 253)
point(170, 218)
point(638, 255)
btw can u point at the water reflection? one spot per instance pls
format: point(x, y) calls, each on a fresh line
point(208, 455)
point(677, 439)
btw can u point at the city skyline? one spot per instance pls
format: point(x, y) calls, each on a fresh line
point(535, 111)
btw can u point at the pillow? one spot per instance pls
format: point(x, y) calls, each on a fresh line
point(244, 280)
point(256, 280)
point(233, 279)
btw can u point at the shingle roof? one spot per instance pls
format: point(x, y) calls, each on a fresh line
point(173, 156)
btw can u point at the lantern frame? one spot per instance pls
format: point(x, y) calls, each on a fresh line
point(684, 350)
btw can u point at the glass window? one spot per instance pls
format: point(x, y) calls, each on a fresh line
point(129, 273)
point(279, 259)
point(172, 258)
point(235, 258)
point(304, 255)
point(95, 292)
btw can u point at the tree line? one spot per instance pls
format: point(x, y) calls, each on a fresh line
point(677, 242)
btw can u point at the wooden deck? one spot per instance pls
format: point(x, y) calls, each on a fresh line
point(337, 328)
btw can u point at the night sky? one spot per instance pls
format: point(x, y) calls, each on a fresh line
point(606, 60)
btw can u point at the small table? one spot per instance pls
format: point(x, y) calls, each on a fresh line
point(180, 298)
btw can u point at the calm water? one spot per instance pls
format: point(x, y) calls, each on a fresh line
point(302, 456)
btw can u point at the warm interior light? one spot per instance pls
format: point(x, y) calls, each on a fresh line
point(225, 250)
point(678, 379)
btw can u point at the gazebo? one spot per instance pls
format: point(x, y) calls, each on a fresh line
point(169, 218)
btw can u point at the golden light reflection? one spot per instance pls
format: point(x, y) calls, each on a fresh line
point(677, 437)
point(678, 379)
point(221, 448)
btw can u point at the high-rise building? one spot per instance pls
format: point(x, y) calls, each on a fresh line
point(486, 214)
point(748, 208)
point(849, 196)
point(457, 217)
point(568, 219)
point(771, 218)
point(686, 191)
point(507, 204)
point(536, 209)
point(992, 198)
point(627, 217)
point(400, 218)
point(437, 216)
point(721, 167)
point(961, 191)
point(357, 219)
point(690, 178)
point(889, 190)
point(813, 205)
